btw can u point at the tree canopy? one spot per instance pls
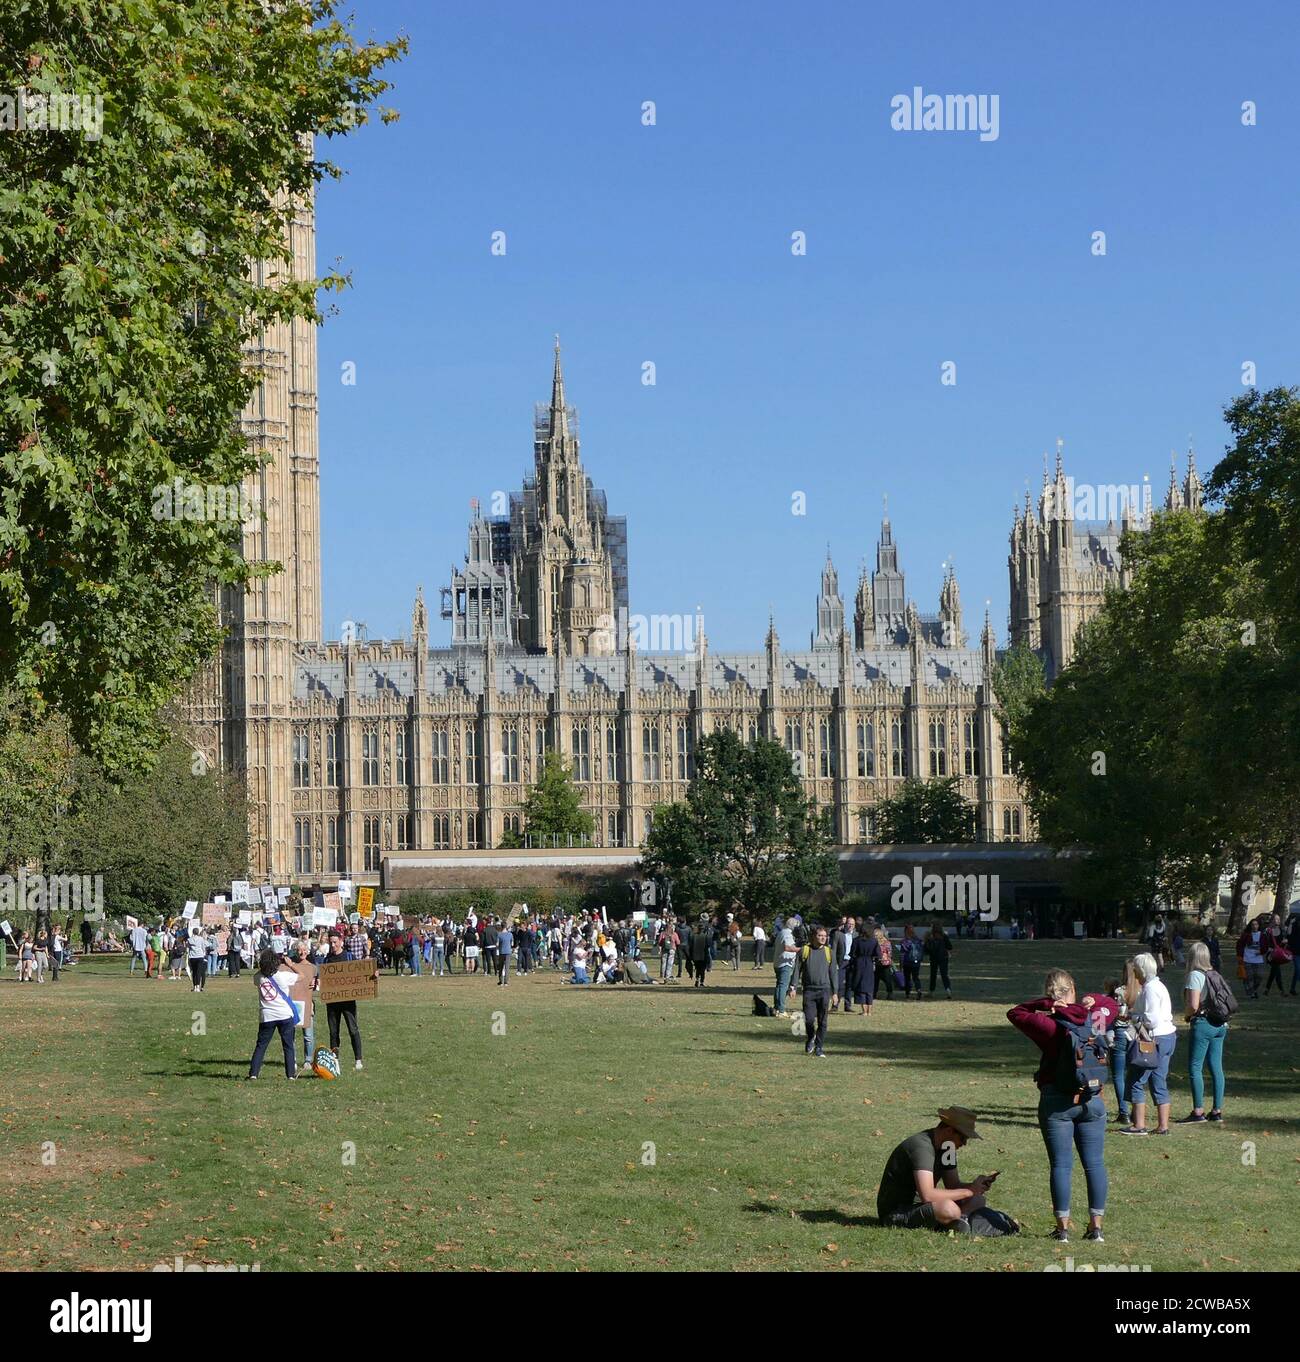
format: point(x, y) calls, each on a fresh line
point(746, 836)
point(926, 811)
point(127, 230)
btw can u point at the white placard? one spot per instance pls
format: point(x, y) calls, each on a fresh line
point(221, 898)
point(6, 928)
point(390, 910)
point(345, 890)
point(245, 918)
point(323, 917)
point(269, 900)
point(283, 894)
point(190, 909)
point(239, 891)
point(131, 923)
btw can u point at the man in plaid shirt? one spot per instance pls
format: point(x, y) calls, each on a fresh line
point(356, 946)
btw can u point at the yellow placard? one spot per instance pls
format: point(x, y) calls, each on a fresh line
point(366, 902)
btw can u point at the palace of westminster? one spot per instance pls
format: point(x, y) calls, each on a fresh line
point(352, 749)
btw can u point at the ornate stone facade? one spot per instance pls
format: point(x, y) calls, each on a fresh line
point(354, 748)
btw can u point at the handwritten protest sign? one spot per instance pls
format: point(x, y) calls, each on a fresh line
point(191, 907)
point(324, 917)
point(214, 914)
point(301, 990)
point(366, 901)
point(342, 981)
point(239, 891)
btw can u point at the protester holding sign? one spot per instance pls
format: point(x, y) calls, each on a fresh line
point(343, 1011)
point(276, 1012)
point(198, 951)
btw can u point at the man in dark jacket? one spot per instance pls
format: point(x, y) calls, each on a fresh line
point(701, 950)
point(816, 972)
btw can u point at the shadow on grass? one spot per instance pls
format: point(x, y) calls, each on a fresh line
point(826, 1217)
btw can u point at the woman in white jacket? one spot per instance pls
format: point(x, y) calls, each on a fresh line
point(1150, 1007)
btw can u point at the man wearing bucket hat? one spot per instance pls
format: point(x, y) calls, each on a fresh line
point(920, 1188)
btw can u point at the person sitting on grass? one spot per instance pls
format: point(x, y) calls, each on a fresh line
point(920, 1187)
point(275, 1011)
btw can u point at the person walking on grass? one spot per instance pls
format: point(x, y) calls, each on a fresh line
point(669, 942)
point(139, 940)
point(1250, 951)
point(734, 940)
point(884, 962)
point(817, 980)
point(176, 953)
point(1151, 1013)
point(505, 951)
point(938, 948)
point(275, 1012)
point(1276, 954)
point(701, 946)
point(1203, 992)
point(760, 946)
point(1071, 1077)
point(909, 961)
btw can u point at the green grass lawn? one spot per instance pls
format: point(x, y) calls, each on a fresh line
point(527, 1150)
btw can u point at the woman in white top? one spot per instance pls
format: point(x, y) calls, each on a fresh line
point(1150, 1008)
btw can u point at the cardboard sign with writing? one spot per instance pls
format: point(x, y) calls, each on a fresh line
point(239, 891)
point(214, 915)
point(344, 980)
point(333, 901)
point(301, 992)
point(323, 917)
point(366, 901)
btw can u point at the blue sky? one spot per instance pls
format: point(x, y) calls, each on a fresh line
point(779, 374)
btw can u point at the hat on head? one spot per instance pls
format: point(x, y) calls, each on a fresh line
point(961, 1119)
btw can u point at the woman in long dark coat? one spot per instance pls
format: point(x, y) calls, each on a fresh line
point(860, 980)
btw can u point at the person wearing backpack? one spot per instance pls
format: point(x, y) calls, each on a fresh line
point(1071, 1078)
point(276, 1011)
point(1209, 1004)
point(817, 979)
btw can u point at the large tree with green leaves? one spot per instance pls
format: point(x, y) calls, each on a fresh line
point(126, 303)
point(925, 811)
point(178, 831)
point(1160, 753)
point(746, 836)
point(553, 812)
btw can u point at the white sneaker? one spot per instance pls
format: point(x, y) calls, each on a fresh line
point(358, 1064)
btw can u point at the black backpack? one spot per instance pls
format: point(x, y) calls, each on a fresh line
point(1217, 1000)
point(1083, 1061)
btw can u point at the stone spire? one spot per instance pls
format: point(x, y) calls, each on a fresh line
point(864, 624)
point(1174, 496)
point(950, 611)
point(830, 608)
point(559, 409)
point(1192, 486)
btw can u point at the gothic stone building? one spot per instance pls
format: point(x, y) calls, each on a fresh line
point(352, 749)
point(1062, 566)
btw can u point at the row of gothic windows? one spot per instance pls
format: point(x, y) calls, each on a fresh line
point(825, 760)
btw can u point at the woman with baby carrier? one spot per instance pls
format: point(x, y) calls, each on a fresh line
point(1070, 1034)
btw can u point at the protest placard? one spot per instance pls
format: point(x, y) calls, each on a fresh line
point(365, 901)
point(214, 914)
point(130, 922)
point(239, 891)
point(190, 909)
point(344, 980)
point(283, 894)
point(245, 918)
point(301, 991)
point(6, 929)
point(345, 890)
point(324, 917)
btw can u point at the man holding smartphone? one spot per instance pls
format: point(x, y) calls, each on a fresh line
point(920, 1187)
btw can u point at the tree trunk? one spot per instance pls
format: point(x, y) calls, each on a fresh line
point(1243, 891)
point(1286, 878)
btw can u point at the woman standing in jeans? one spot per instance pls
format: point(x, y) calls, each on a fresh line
point(1151, 1008)
point(1067, 1118)
point(1120, 1035)
point(1207, 1038)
